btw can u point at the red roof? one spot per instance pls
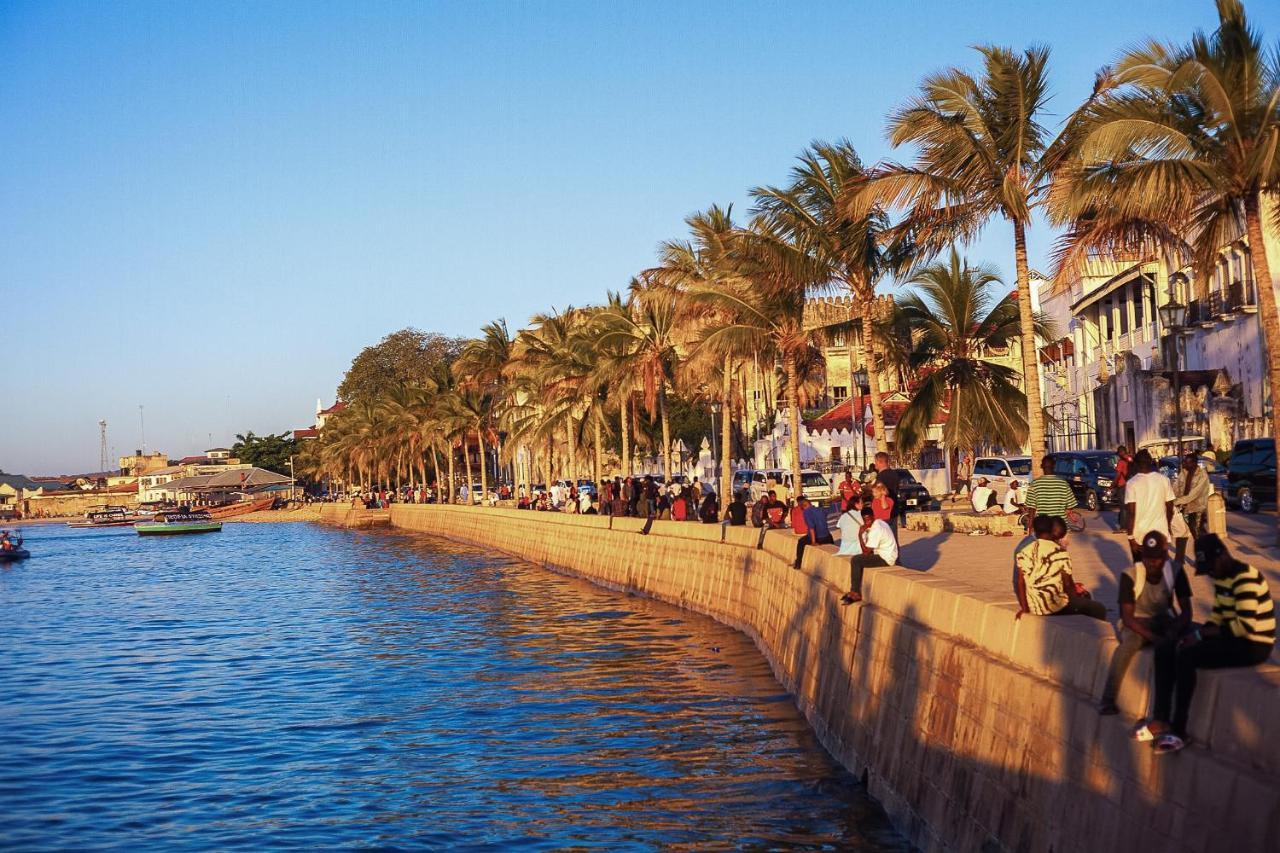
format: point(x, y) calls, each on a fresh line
point(842, 415)
point(309, 432)
point(334, 409)
point(1057, 351)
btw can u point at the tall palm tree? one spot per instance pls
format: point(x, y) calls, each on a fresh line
point(1182, 153)
point(957, 322)
point(854, 251)
point(765, 313)
point(643, 332)
point(983, 153)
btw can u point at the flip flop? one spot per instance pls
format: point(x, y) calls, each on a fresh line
point(1168, 743)
point(1142, 731)
point(850, 598)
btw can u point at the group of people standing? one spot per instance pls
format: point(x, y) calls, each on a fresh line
point(1159, 519)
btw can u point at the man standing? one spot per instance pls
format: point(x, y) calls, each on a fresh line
point(816, 530)
point(848, 488)
point(1191, 493)
point(1148, 500)
point(1049, 494)
point(1124, 466)
point(891, 480)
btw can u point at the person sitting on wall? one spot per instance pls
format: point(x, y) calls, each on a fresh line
point(1045, 585)
point(816, 532)
point(1015, 499)
point(848, 488)
point(850, 526)
point(709, 512)
point(1241, 632)
point(1148, 590)
point(590, 501)
point(879, 548)
point(983, 500)
point(775, 514)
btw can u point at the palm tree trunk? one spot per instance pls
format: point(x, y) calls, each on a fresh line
point(666, 432)
point(726, 449)
point(871, 360)
point(448, 488)
point(466, 466)
point(626, 439)
point(1270, 314)
point(596, 439)
point(484, 465)
point(435, 463)
point(572, 441)
point(1030, 356)
point(793, 410)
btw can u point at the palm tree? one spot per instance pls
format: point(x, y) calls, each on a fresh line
point(765, 313)
point(956, 323)
point(853, 251)
point(982, 153)
point(642, 333)
point(1185, 148)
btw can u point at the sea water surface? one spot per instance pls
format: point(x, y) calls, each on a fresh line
point(292, 685)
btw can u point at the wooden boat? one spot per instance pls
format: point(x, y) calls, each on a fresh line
point(105, 516)
point(171, 523)
point(239, 508)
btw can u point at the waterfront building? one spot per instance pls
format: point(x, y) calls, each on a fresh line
point(1109, 378)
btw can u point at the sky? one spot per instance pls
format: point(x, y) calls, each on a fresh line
point(208, 209)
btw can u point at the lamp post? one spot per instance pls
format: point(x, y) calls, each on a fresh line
point(860, 376)
point(1173, 315)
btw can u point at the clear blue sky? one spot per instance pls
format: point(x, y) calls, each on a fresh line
point(208, 209)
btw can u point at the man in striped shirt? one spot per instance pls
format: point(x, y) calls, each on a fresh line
point(1241, 631)
point(1049, 494)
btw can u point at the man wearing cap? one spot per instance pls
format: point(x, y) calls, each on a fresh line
point(1014, 498)
point(1148, 590)
point(983, 496)
point(816, 531)
point(1240, 632)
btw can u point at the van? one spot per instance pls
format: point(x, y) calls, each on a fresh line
point(1000, 471)
point(816, 487)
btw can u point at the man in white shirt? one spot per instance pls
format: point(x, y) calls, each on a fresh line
point(1148, 498)
point(1014, 498)
point(879, 548)
point(984, 497)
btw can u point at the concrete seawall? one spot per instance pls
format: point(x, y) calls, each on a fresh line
point(973, 730)
point(344, 515)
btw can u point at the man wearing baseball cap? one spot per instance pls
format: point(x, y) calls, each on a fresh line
point(1240, 632)
point(1148, 590)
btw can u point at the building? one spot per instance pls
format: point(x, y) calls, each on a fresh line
point(1110, 378)
point(322, 417)
point(140, 463)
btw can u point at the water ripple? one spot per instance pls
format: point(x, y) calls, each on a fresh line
point(290, 685)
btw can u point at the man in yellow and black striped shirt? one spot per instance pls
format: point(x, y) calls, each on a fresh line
point(1240, 632)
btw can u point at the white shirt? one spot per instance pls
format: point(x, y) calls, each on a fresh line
point(584, 501)
point(849, 524)
point(1149, 492)
point(981, 497)
point(880, 540)
point(1019, 494)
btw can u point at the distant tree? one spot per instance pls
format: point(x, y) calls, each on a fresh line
point(406, 357)
point(271, 452)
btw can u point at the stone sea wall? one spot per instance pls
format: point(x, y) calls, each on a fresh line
point(973, 730)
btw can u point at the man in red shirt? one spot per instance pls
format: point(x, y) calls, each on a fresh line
point(848, 488)
point(1124, 464)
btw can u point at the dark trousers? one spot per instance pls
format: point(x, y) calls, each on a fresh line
point(1176, 671)
point(857, 563)
point(1078, 605)
point(1130, 644)
point(803, 542)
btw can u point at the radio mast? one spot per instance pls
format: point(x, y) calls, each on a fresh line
point(103, 459)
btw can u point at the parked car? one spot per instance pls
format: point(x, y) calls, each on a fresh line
point(1171, 465)
point(1251, 473)
point(742, 480)
point(816, 487)
point(1091, 474)
point(1000, 471)
point(911, 492)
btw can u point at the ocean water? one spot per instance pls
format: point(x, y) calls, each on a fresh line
point(289, 685)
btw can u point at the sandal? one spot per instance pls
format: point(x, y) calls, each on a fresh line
point(1167, 743)
point(850, 598)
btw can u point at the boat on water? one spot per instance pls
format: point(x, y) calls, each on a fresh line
point(171, 523)
point(106, 516)
point(14, 555)
point(232, 510)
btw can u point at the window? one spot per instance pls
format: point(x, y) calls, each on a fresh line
point(1123, 303)
point(1137, 302)
point(839, 392)
point(837, 339)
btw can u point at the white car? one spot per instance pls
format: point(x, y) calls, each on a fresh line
point(816, 487)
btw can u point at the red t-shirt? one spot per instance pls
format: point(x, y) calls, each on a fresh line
point(882, 512)
point(797, 520)
point(776, 514)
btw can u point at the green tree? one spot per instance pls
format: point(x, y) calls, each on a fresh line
point(405, 357)
point(269, 451)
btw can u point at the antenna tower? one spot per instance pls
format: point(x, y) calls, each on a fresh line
point(103, 459)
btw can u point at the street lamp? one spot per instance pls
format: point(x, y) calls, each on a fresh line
point(1173, 315)
point(860, 376)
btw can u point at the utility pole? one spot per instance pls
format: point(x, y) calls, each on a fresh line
point(142, 421)
point(103, 459)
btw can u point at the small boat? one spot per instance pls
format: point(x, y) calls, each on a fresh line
point(14, 556)
point(170, 523)
point(240, 508)
point(105, 516)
